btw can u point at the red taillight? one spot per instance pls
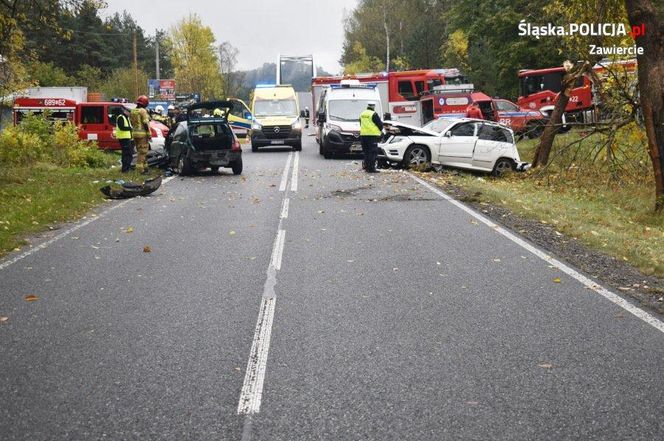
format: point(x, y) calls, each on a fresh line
point(236, 145)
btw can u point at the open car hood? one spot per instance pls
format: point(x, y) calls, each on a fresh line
point(209, 105)
point(409, 128)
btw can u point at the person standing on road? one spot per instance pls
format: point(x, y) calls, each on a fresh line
point(306, 117)
point(140, 123)
point(371, 128)
point(124, 135)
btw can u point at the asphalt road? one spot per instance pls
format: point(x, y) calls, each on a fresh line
point(365, 307)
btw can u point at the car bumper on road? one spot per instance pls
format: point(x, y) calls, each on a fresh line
point(392, 155)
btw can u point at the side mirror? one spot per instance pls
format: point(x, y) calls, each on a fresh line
point(387, 116)
point(322, 117)
point(447, 135)
point(302, 114)
point(248, 115)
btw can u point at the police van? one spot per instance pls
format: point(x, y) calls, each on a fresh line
point(338, 116)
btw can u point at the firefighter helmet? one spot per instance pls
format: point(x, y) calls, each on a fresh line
point(142, 101)
point(159, 110)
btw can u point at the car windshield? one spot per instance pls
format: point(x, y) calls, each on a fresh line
point(275, 108)
point(438, 125)
point(348, 110)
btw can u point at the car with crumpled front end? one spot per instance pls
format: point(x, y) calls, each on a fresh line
point(472, 144)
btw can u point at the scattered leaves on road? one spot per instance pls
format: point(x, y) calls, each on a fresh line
point(556, 280)
point(147, 249)
point(545, 365)
point(129, 230)
point(231, 233)
point(31, 298)
point(496, 260)
point(473, 221)
point(350, 261)
point(3, 318)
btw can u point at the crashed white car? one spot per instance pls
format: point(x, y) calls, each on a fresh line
point(455, 142)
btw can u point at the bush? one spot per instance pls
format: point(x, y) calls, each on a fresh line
point(70, 151)
point(37, 139)
point(20, 148)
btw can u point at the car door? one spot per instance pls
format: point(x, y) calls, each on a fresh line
point(507, 113)
point(457, 145)
point(240, 118)
point(179, 143)
point(492, 143)
point(94, 123)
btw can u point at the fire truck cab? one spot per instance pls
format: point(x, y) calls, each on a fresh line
point(454, 101)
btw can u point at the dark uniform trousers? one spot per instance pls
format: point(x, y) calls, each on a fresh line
point(370, 150)
point(127, 153)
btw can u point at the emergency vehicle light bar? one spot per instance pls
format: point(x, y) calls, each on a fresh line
point(453, 88)
point(354, 86)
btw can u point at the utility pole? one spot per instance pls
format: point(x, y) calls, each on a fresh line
point(156, 55)
point(135, 66)
point(387, 39)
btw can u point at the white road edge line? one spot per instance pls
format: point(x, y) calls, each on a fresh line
point(588, 283)
point(284, 208)
point(296, 163)
point(284, 176)
point(66, 233)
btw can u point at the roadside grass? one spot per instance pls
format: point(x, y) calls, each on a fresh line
point(607, 205)
point(38, 197)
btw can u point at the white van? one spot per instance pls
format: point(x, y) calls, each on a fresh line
point(339, 109)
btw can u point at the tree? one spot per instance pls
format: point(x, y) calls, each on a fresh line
point(120, 83)
point(195, 59)
point(231, 80)
point(47, 74)
point(362, 62)
point(651, 84)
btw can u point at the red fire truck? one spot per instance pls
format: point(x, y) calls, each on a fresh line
point(539, 89)
point(95, 119)
point(454, 101)
point(399, 91)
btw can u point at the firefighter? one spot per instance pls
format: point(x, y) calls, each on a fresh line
point(140, 123)
point(473, 111)
point(159, 111)
point(123, 134)
point(306, 117)
point(371, 128)
point(171, 115)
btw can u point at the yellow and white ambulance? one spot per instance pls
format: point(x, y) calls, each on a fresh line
point(277, 118)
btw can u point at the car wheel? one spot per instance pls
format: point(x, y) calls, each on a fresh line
point(236, 166)
point(297, 147)
point(214, 169)
point(502, 166)
point(326, 152)
point(254, 148)
point(417, 156)
point(184, 167)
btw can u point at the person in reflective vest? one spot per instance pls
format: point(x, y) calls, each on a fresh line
point(371, 128)
point(124, 136)
point(140, 123)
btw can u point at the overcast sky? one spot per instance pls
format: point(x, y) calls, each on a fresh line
point(260, 29)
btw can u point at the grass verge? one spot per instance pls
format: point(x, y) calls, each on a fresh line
point(614, 216)
point(37, 198)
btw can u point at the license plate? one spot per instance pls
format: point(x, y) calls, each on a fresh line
point(277, 141)
point(356, 148)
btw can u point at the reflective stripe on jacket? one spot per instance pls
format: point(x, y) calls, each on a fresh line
point(139, 119)
point(367, 126)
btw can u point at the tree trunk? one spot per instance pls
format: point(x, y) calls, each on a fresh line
point(651, 85)
point(553, 125)
point(387, 39)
